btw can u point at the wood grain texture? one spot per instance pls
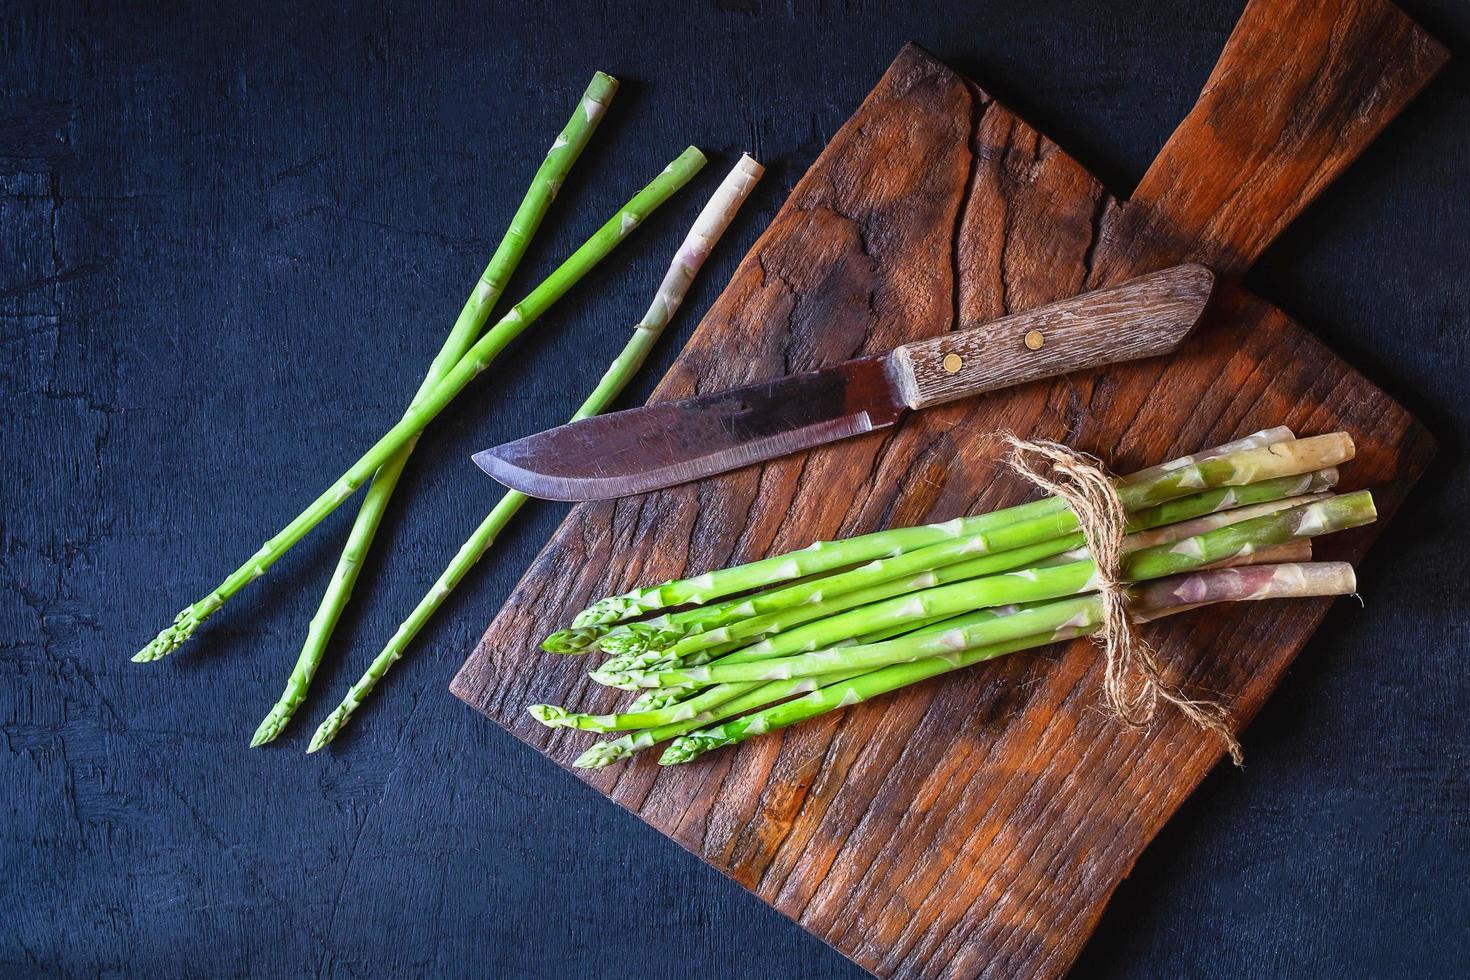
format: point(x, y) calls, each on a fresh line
point(1147, 316)
point(977, 825)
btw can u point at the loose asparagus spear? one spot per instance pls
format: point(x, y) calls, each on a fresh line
point(564, 152)
point(708, 227)
point(522, 315)
point(1175, 519)
point(1029, 585)
point(1254, 582)
point(1176, 479)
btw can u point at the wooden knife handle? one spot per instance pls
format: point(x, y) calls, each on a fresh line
point(1139, 318)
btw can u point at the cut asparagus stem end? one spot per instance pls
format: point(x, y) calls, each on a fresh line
point(1290, 580)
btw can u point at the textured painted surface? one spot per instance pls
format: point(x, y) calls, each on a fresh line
point(229, 241)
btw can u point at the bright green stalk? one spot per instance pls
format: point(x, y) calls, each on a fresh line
point(521, 316)
point(707, 229)
point(683, 709)
point(752, 616)
point(1152, 601)
point(568, 145)
point(746, 698)
point(661, 630)
point(742, 698)
point(1029, 585)
point(1187, 591)
point(813, 626)
point(939, 564)
point(1175, 479)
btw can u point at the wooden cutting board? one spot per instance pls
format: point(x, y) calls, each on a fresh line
point(977, 824)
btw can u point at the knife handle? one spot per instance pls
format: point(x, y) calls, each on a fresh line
point(1139, 318)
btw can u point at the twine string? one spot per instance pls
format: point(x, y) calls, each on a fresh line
point(1133, 681)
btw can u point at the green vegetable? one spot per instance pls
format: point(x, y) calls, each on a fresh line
point(434, 401)
point(774, 610)
point(527, 218)
point(1175, 516)
point(1236, 467)
point(1028, 585)
point(707, 229)
point(1250, 583)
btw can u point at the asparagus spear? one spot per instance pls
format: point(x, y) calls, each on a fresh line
point(693, 702)
point(745, 697)
point(585, 633)
point(736, 699)
point(1153, 601)
point(564, 152)
point(1172, 521)
point(1254, 582)
point(1175, 479)
point(522, 315)
point(1029, 585)
point(819, 624)
point(706, 231)
point(751, 616)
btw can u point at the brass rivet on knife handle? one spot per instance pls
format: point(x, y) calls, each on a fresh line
point(1143, 317)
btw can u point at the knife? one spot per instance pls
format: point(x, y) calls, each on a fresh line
point(673, 442)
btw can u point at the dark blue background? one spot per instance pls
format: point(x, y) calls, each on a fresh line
point(232, 235)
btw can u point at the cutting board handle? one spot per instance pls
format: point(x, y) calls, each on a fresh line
point(1300, 89)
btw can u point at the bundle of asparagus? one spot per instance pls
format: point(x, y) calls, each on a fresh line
point(737, 652)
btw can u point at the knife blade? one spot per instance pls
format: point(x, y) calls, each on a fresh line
point(674, 442)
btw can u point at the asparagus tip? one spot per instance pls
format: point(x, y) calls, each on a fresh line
point(598, 613)
point(599, 756)
point(268, 730)
point(573, 640)
point(327, 730)
point(624, 680)
point(170, 638)
point(550, 715)
point(627, 641)
point(687, 748)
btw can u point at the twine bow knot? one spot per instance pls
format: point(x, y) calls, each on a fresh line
point(1133, 682)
